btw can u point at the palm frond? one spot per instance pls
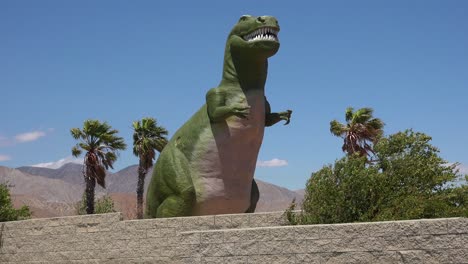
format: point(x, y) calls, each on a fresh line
point(147, 137)
point(349, 114)
point(337, 128)
point(76, 151)
point(101, 144)
point(361, 132)
point(76, 133)
point(376, 123)
point(362, 115)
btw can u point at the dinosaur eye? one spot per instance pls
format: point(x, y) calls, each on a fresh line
point(244, 17)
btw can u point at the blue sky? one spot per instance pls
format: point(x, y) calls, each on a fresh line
point(62, 62)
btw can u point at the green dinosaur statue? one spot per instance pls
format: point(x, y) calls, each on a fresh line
point(208, 166)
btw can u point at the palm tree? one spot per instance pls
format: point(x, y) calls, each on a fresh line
point(360, 132)
point(101, 145)
point(147, 137)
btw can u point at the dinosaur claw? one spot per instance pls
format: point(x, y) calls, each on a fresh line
point(288, 116)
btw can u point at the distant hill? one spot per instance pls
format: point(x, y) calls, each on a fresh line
point(44, 188)
point(54, 192)
point(70, 172)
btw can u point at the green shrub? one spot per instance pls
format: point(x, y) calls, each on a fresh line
point(408, 180)
point(7, 212)
point(102, 205)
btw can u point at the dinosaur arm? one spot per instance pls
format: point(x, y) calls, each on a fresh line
point(273, 118)
point(219, 111)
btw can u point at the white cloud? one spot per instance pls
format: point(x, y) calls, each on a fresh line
point(272, 163)
point(29, 136)
point(59, 163)
point(4, 157)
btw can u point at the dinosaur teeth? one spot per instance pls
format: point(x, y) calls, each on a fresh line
point(265, 33)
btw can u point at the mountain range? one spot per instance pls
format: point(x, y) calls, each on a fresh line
point(55, 192)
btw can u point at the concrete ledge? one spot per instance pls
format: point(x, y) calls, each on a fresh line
point(237, 238)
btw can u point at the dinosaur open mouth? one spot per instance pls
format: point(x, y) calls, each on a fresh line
point(265, 33)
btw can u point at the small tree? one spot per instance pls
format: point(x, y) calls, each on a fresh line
point(409, 180)
point(7, 211)
point(101, 145)
point(147, 137)
point(360, 132)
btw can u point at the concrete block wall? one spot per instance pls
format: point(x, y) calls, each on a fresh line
point(241, 238)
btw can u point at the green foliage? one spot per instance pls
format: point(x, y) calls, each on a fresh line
point(409, 180)
point(7, 212)
point(148, 137)
point(103, 205)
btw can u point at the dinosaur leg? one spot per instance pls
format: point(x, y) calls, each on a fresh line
point(176, 205)
point(171, 192)
point(254, 196)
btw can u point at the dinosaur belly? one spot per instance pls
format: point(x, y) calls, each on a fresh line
point(225, 160)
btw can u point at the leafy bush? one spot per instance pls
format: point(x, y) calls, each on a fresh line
point(102, 205)
point(409, 180)
point(7, 212)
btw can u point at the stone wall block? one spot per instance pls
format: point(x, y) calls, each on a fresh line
point(346, 244)
point(245, 248)
point(361, 258)
point(159, 232)
point(190, 260)
point(223, 222)
point(319, 245)
point(141, 260)
point(434, 226)
point(125, 234)
point(212, 237)
point(283, 233)
point(166, 241)
point(457, 225)
point(213, 260)
point(395, 228)
point(190, 237)
point(174, 222)
point(247, 234)
point(311, 258)
point(272, 247)
point(441, 242)
point(240, 221)
point(236, 260)
point(197, 223)
point(401, 242)
point(307, 232)
point(342, 230)
point(452, 255)
point(294, 246)
point(270, 259)
point(217, 250)
point(191, 250)
point(422, 256)
point(144, 224)
point(267, 219)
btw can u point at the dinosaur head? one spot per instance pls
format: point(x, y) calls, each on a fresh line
point(256, 36)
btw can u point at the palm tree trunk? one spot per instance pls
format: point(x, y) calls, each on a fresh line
point(140, 190)
point(90, 186)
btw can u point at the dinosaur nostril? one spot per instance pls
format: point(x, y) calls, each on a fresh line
point(261, 19)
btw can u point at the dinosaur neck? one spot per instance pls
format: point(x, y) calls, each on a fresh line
point(247, 71)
